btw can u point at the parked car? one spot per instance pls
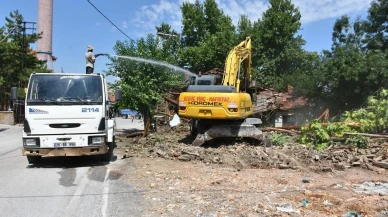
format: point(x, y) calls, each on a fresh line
point(126, 113)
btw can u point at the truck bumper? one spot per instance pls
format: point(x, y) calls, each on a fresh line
point(72, 151)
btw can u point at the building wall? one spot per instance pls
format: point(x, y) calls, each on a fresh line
point(293, 117)
point(297, 116)
point(6, 118)
point(285, 118)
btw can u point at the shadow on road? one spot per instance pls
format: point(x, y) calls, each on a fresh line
point(70, 162)
point(128, 131)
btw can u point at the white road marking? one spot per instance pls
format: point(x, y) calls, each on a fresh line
point(77, 195)
point(105, 195)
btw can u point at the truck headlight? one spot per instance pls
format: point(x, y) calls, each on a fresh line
point(30, 142)
point(98, 140)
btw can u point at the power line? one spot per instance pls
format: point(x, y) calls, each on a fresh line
point(110, 21)
point(9, 33)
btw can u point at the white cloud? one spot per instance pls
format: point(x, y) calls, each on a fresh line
point(97, 24)
point(152, 15)
point(313, 11)
point(149, 16)
point(124, 25)
point(234, 8)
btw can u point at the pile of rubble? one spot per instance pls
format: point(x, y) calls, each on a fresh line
point(268, 99)
point(175, 145)
point(373, 157)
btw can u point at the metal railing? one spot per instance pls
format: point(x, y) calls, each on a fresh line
point(19, 111)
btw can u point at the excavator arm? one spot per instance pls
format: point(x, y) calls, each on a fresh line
point(239, 54)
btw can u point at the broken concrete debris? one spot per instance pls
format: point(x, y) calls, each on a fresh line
point(379, 188)
point(190, 188)
point(173, 144)
point(287, 208)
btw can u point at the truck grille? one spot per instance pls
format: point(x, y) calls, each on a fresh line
point(64, 125)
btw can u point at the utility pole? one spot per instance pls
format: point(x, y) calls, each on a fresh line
point(162, 36)
point(24, 28)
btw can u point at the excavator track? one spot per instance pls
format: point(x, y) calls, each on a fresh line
point(206, 130)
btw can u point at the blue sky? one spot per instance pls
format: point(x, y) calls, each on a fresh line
point(77, 24)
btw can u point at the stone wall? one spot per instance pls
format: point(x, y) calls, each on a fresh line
point(7, 118)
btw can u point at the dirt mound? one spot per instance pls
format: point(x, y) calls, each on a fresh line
point(179, 179)
point(174, 144)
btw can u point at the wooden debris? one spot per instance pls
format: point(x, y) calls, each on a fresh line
point(324, 115)
point(337, 139)
point(350, 124)
point(140, 133)
point(172, 101)
point(375, 169)
point(163, 113)
point(297, 127)
point(380, 164)
point(367, 135)
point(280, 130)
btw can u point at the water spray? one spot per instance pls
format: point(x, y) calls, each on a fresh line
point(155, 62)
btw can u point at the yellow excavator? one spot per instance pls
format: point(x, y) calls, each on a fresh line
point(220, 105)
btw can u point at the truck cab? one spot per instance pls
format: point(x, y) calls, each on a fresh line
point(67, 115)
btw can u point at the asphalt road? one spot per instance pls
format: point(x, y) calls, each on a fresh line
point(70, 186)
point(128, 124)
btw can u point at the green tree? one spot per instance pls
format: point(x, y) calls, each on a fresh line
point(244, 28)
point(193, 23)
point(342, 78)
point(376, 25)
point(144, 84)
point(171, 46)
point(11, 50)
point(207, 36)
point(308, 80)
point(280, 49)
point(212, 17)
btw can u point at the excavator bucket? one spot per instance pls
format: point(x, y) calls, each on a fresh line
point(232, 130)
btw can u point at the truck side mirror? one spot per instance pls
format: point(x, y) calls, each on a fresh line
point(118, 95)
point(14, 93)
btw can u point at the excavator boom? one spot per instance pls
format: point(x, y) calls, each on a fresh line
point(239, 54)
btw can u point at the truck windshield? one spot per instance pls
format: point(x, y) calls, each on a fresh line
point(64, 89)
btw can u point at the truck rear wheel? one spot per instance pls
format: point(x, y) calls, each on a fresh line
point(33, 159)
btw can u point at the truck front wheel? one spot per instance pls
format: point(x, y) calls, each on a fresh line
point(33, 159)
point(107, 157)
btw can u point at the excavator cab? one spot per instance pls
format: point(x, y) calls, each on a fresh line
point(206, 80)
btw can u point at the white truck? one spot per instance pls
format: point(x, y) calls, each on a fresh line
point(67, 115)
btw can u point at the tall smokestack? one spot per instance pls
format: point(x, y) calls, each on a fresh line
point(45, 26)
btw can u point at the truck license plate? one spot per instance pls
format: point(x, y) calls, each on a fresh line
point(64, 144)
